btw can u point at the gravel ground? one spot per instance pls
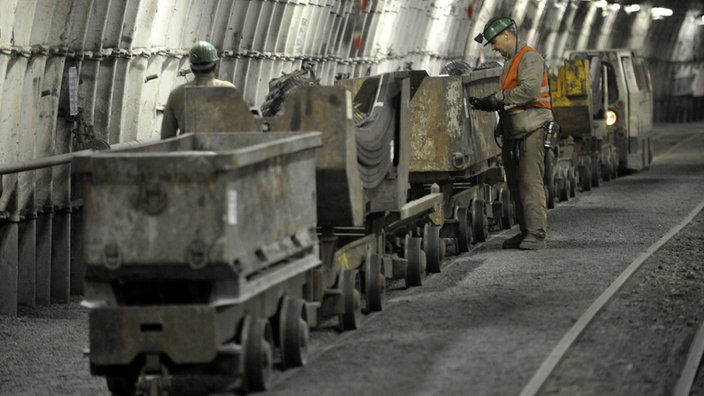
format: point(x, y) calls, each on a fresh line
point(639, 342)
point(485, 323)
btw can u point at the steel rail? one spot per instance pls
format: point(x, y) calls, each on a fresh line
point(675, 147)
point(561, 348)
point(691, 365)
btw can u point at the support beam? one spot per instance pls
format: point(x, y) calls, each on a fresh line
point(78, 266)
point(26, 270)
point(61, 258)
point(8, 268)
point(43, 235)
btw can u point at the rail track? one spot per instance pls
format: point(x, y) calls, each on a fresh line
point(535, 384)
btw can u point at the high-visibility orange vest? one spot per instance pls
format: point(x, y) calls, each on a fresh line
point(511, 82)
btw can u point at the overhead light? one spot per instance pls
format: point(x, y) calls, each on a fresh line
point(607, 8)
point(660, 12)
point(631, 8)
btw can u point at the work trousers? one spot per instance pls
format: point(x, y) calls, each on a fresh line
point(524, 165)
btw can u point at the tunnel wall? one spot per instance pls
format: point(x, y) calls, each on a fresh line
point(74, 73)
point(126, 55)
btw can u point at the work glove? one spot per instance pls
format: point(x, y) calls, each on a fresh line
point(487, 103)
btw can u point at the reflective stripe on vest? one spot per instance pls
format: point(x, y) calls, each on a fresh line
point(511, 82)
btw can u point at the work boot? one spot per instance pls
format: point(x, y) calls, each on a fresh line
point(531, 242)
point(513, 243)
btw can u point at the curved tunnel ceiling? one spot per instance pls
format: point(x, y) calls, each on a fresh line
point(107, 66)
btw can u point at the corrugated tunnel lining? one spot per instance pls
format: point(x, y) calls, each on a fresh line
point(375, 119)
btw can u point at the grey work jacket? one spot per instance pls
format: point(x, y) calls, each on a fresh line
point(176, 106)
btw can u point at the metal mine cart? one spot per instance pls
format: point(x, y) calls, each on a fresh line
point(578, 101)
point(200, 253)
point(455, 148)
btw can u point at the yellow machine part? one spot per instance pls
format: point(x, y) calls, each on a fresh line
point(571, 99)
point(571, 85)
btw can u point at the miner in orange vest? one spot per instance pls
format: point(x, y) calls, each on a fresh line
point(523, 103)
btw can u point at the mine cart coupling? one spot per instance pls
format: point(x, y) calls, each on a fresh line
point(154, 379)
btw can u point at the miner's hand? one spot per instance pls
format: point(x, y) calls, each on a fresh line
point(487, 103)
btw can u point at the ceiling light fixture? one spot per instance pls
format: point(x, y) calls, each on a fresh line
point(660, 12)
point(631, 8)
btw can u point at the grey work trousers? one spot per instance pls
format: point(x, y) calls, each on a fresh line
point(524, 165)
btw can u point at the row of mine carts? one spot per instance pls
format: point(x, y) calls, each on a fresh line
point(216, 251)
point(603, 102)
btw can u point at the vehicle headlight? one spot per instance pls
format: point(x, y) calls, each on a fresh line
point(611, 117)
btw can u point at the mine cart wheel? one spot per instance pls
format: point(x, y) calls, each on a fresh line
point(606, 169)
point(564, 186)
point(374, 284)
point(464, 239)
point(508, 208)
point(122, 386)
point(573, 182)
point(549, 178)
point(480, 223)
point(431, 245)
point(416, 262)
point(293, 332)
point(596, 174)
point(352, 299)
point(550, 194)
point(585, 178)
point(258, 354)
point(547, 195)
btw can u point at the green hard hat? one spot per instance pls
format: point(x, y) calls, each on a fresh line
point(202, 55)
point(494, 27)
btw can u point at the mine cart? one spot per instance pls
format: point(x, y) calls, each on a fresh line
point(399, 235)
point(200, 254)
point(585, 149)
point(454, 147)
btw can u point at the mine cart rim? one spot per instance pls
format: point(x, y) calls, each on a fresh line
point(293, 332)
point(508, 208)
point(258, 355)
point(464, 236)
point(375, 283)
point(431, 246)
point(416, 262)
point(350, 287)
point(480, 223)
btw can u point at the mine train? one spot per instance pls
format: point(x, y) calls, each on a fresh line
point(603, 102)
point(225, 245)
